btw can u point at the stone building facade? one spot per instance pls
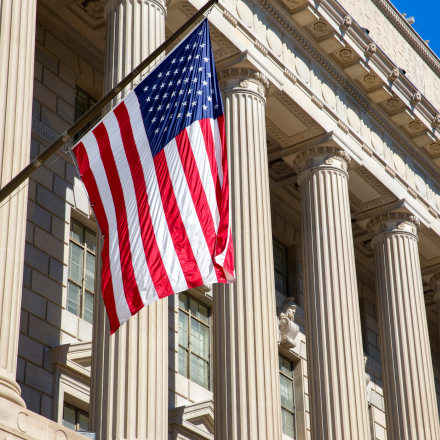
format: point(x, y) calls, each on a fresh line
point(332, 328)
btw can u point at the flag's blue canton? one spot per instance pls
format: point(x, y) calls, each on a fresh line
point(182, 89)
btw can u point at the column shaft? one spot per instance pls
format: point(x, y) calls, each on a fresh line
point(17, 45)
point(410, 399)
point(130, 368)
point(338, 404)
point(246, 388)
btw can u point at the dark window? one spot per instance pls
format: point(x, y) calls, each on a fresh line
point(83, 102)
point(81, 282)
point(280, 266)
point(194, 340)
point(75, 418)
point(287, 396)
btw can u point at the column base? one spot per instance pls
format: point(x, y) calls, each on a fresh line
point(10, 390)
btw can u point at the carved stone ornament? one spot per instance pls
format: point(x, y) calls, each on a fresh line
point(416, 98)
point(394, 75)
point(371, 49)
point(94, 8)
point(262, 79)
point(434, 148)
point(288, 328)
point(370, 79)
point(434, 281)
point(436, 121)
point(320, 27)
point(280, 167)
point(393, 103)
point(415, 125)
point(346, 54)
point(347, 21)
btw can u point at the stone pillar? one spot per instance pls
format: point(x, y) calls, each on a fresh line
point(17, 44)
point(338, 403)
point(130, 368)
point(408, 379)
point(246, 379)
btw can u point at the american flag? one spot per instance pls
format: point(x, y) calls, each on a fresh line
point(155, 169)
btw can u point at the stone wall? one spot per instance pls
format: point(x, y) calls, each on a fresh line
point(45, 322)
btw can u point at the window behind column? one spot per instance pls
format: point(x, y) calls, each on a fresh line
point(280, 267)
point(287, 396)
point(75, 418)
point(83, 102)
point(194, 340)
point(81, 282)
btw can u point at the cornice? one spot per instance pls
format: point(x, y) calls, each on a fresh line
point(351, 89)
point(409, 33)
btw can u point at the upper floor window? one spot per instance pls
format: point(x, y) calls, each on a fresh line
point(194, 340)
point(75, 418)
point(81, 283)
point(83, 102)
point(287, 396)
point(280, 266)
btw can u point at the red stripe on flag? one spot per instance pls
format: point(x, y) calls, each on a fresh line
point(228, 265)
point(131, 290)
point(223, 228)
point(206, 127)
point(198, 195)
point(106, 277)
point(175, 224)
point(153, 257)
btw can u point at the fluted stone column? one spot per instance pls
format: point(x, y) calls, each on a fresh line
point(130, 368)
point(17, 44)
point(246, 387)
point(408, 380)
point(338, 404)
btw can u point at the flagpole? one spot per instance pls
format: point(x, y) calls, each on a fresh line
point(97, 108)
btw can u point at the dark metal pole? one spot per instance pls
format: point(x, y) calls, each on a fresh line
point(97, 108)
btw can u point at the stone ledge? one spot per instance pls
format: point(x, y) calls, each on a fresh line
point(17, 422)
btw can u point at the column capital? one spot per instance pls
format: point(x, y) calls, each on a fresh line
point(321, 158)
point(393, 222)
point(111, 4)
point(245, 80)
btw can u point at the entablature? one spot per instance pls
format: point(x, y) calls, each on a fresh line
point(307, 80)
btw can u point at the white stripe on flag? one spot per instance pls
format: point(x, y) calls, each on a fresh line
point(218, 149)
point(188, 213)
point(97, 168)
point(197, 142)
point(140, 268)
point(158, 219)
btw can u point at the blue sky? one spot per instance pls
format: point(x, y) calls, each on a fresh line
point(426, 13)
